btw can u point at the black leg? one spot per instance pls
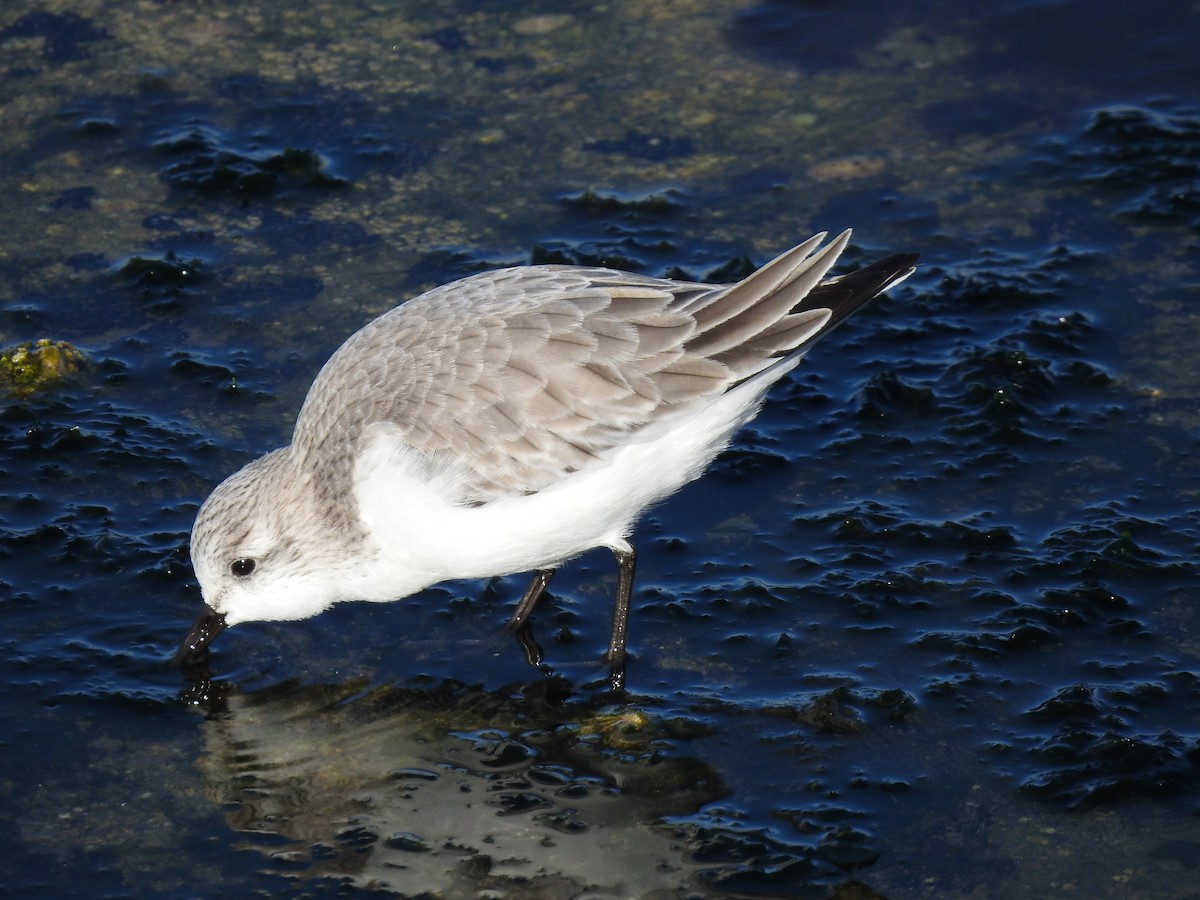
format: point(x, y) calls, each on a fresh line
point(537, 587)
point(626, 566)
point(519, 623)
point(531, 648)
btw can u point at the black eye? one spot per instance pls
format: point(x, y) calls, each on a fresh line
point(242, 566)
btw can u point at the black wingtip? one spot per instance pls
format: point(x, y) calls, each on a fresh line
point(849, 293)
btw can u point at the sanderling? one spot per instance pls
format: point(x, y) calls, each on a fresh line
point(506, 423)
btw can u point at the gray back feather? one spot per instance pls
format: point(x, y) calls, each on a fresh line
point(519, 376)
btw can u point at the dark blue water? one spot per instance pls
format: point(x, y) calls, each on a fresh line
point(927, 628)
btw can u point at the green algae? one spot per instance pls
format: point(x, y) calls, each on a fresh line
point(41, 365)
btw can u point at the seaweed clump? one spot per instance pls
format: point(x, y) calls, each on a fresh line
point(36, 365)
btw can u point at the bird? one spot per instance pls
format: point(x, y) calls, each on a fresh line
point(506, 423)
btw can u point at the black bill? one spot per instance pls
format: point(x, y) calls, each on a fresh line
point(199, 636)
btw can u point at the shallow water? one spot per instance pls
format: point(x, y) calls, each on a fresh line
point(928, 628)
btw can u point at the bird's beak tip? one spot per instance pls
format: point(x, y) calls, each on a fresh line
point(206, 627)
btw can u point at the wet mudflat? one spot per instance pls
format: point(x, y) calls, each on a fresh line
point(927, 628)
